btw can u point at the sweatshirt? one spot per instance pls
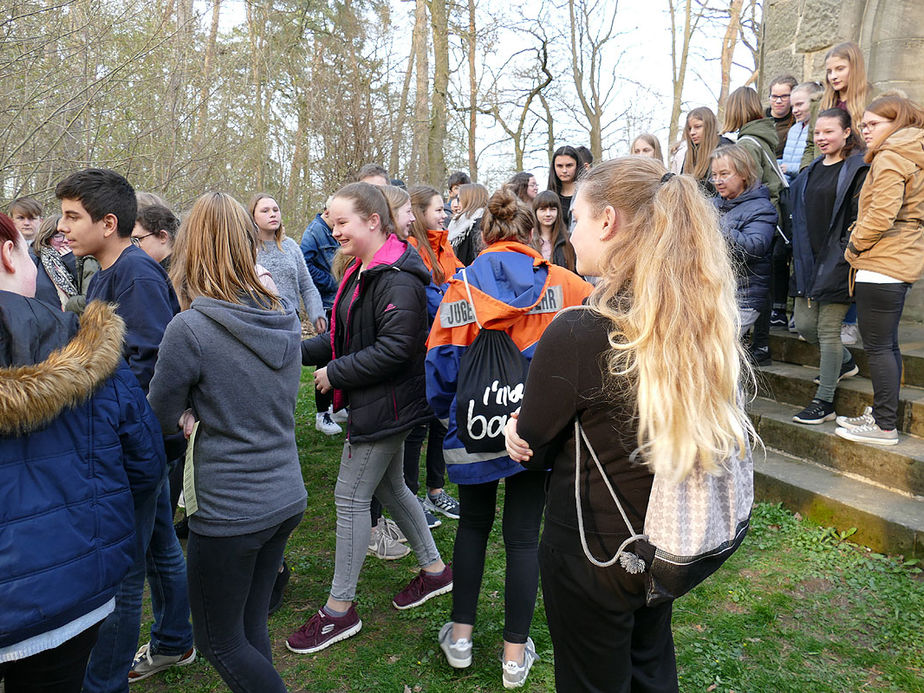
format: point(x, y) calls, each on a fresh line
point(144, 299)
point(291, 275)
point(237, 367)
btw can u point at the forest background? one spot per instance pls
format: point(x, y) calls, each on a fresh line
point(291, 97)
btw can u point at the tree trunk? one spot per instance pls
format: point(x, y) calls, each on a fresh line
point(679, 71)
point(436, 168)
point(729, 40)
point(419, 157)
point(473, 95)
point(255, 31)
point(207, 63)
point(398, 135)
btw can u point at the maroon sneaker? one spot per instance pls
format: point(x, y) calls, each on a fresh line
point(423, 587)
point(322, 631)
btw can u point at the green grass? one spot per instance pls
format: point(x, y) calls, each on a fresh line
point(797, 608)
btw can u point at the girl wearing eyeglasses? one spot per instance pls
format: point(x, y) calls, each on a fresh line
point(886, 252)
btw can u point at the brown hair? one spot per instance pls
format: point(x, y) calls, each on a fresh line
point(742, 107)
point(421, 196)
point(652, 141)
point(472, 197)
point(216, 254)
point(254, 201)
point(520, 184)
point(696, 161)
point(903, 112)
point(741, 160)
point(788, 80)
point(858, 87)
point(27, 206)
point(8, 231)
point(506, 219)
point(396, 198)
point(48, 228)
point(549, 200)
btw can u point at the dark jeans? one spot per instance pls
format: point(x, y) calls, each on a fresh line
point(780, 257)
point(59, 670)
point(879, 308)
point(524, 499)
point(436, 465)
point(604, 636)
point(230, 583)
point(760, 336)
point(322, 401)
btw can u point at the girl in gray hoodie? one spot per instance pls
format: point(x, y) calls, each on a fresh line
point(228, 375)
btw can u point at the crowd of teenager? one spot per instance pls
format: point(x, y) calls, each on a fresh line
point(150, 360)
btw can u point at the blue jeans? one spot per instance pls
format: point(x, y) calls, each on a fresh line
point(111, 659)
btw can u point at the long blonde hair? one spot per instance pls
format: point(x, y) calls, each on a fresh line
point(858, 87)
point(697, 160)
point(216, 254)
point(668, 289)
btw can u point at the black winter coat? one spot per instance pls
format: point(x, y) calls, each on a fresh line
point(825, 278)
point(748, 223)
point(375, 360)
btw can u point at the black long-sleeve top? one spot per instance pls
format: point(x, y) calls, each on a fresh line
point(566, 378)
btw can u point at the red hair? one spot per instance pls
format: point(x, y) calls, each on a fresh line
point(8, 232)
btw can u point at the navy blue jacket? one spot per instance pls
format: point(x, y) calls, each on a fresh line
point(825, 278)
point(748, 223)
point(144, 299)
point(319, 246)
point(77, 439)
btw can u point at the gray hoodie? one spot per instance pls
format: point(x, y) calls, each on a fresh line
point(237, 367)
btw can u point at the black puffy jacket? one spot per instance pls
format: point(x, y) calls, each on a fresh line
point(375, 359)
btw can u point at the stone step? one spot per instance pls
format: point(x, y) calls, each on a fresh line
point(886, 521)
point(792, 384)
point(787, 347)
point(899, 467)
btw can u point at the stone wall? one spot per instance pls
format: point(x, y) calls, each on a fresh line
point(798, 33)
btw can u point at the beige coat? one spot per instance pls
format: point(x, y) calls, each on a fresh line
point(888, 236)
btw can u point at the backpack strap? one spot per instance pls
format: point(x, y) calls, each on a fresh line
point(471, 301)
point(773, 165)
point(631, 562)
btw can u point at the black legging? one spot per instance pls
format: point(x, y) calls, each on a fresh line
point(524, 500)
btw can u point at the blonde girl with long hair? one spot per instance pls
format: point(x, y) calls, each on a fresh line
point(234, 341)
point(655, 379)
point(846, 87)
point(648, 145)
point(701, 137)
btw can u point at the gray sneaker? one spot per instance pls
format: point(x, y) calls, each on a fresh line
point(515, 674)
point(458, 653)
point(392, 529)
point(864, 419)
point(147, 664)
point(382, 545)
point(870, 433)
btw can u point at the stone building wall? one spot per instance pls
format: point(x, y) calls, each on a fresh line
point(798, 33)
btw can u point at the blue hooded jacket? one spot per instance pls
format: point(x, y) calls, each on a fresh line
point(77, 440)
point(748, 223)
point(318, 248)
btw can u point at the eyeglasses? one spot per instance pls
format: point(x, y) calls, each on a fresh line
point(721, 181)
point(136, 240)
point(533, 186)
point(779, 97)
point(872, 125)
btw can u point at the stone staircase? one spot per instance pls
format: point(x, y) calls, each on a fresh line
point(879, 490)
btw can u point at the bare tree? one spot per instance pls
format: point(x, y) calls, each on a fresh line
point(682, 28)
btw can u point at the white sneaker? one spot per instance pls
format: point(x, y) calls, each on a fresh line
point(383, 546)
point(459, 652)
point(850, 333)
point(324, 424)
point(515, 674)
point(870, 433)
point(339, 417)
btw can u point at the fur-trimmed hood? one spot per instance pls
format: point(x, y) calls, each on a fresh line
point(47, 364)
